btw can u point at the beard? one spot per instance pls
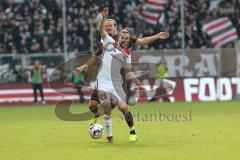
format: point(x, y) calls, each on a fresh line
point(124, 44)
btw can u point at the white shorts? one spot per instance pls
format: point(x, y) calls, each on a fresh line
point(109, 93)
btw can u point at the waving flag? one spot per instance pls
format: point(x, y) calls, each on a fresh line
point(151, 11)
point(221, 31)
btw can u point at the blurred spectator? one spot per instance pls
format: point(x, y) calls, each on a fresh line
point(21, 74)
point(36, 26)
point(78, 80)
point(2, 48)
point(37, 80)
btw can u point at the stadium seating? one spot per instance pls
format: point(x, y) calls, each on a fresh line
point(35, 26)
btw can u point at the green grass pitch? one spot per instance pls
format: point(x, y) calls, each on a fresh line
point(193, 131)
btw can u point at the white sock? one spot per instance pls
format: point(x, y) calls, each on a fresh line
point(132, 128)
point(108, 124)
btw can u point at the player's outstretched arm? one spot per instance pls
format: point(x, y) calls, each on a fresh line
point(91, 62)
point(102, 31)
point(151, 39)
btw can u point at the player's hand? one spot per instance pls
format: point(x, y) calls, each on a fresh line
point(105, 11)
point(163, 35)
point(162, 91)
point(142, 90)
point(79, 70)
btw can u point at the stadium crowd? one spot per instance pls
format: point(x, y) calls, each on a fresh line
point(36, 26)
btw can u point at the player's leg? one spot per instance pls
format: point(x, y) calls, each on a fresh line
point(35, 92)
point(119, 98)
point(105, 99)
point(41, 93)
point(122, 106)
point(163, 89)
point(108, 121)
point(79, 90)
point(93, 107)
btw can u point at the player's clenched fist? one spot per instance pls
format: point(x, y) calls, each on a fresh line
point(80, 69)
point(142, 90)
point(163, 35)
point(105, 11)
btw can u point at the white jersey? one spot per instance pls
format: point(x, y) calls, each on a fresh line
point(113, 60)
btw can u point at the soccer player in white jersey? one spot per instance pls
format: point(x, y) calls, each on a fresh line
point(109, 79)
point(110, 27)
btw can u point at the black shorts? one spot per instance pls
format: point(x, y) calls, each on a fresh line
point(94, 95)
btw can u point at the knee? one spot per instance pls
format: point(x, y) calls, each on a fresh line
point(123, 109)
point(93, 104)
point(107, 109)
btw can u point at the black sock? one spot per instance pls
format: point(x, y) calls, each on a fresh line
point(129, 119)
point(132, 132)
point(97, 115)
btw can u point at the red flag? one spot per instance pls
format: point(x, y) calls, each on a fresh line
point(221, 31)
point(151, 11)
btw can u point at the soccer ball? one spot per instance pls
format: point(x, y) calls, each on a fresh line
point(96, 131)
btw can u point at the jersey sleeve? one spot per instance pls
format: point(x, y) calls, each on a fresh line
point(132, 42)
point(127, 63)
point(108, 42)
